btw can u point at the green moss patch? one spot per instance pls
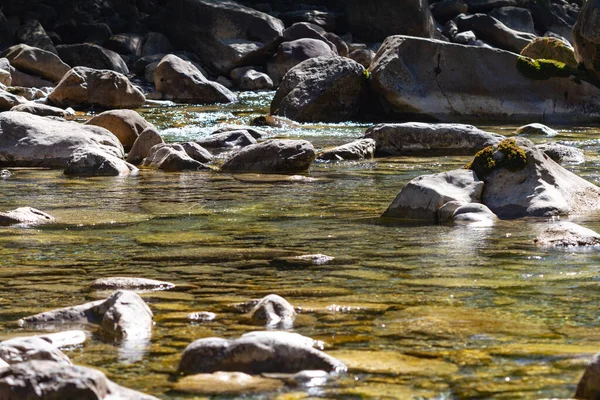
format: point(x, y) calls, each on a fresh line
point(544, 69)
point(506, 155)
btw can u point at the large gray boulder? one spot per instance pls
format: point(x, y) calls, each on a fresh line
point(28, 140)
point(44, 380)
point(126, 125)
point(221, 33)
point(290, 54)
point(567, 234)
point(92, 56)
point(35, 61)
point(422, 197)
point(373, 23)
point(84, 87)
point(24, 215)
point(172, 158)
point(275, 155)
point(42, 110)
point(181, 81)
point(357, 150)
point(88, 162)
point(431, 139)
point(255, 353)
point(494, 32)
point(586, 37)
point(428, 78)
point(328, 89)
point(18, 350)
point(562, 154)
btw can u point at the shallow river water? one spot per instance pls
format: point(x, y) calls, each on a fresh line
point(429, 311)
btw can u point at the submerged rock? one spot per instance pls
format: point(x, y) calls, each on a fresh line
point(275, 155)
point(227, 383)
point(273, 310)
point(567, 234)
point(202, 316)
point(474, 214)
point(255, 353)
point(24, 215)
point(357, 150)
point(130, 283)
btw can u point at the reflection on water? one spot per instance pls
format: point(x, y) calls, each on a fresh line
point(416, 311)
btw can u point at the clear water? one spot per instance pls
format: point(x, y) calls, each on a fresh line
point(444, 312)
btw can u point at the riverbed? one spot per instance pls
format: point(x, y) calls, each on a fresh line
point(416, 311)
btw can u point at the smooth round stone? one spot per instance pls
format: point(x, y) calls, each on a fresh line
point(536, 129)
point(227, 383)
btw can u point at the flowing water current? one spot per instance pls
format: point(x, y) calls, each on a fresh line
point(416, 311)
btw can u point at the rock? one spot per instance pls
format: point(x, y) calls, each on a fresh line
point(25, 80)
point(304, 30)
point(255, 353)
point(467, 38)
point(445, 10)
point(586, 38)
point(322, 89)
point(273, 121)
point(202, 316)
point(550, 48)
point(321, 18)
point(227, 383)
point(240, 138)
point(28, 140)
point(390, 17)
point(304, 261)
point(431, 139)
point(18, 350)
point(171, 158)
point(274, 311)
point(516, 18)
point(82, 87)
point(290, 54)
point(50, 380)
point(494, 32)
point(589, 387)
point(24, 215)
point(29, 93)
point(536, 129)
point(474, 214)
point(130, 283)
point(567, 234)
point(36, 61)
point(147, 139)
point(357, 150)
point(41, 110)
point(88, 162)
point(340, 45)
point(562, 154)
point(197, 152)
point(126, 125)
point(422, 197)
point(156, 43)
point(64, 338)
point(181, 81)
point(274, 155)
point(5, 174)
point(92, 56)
point(220, 33)
point(126, 44)
point(254, 132)
point(253, 80)
point(9, 100)
point(410, 82)
point(534, 186)
point(32, 33)
point(362, 56)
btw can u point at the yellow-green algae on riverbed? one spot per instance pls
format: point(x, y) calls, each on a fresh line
point(446, 312)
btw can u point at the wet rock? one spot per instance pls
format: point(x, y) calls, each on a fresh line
point(130, 283)
point(147, 139)
point(422, 197)
point(307, 260)
point(197, 152)
point(5, 174)
point(273, 121)
point(240, 138)
point(562, 154)
point(126, 125)
point(24, 215)
point(96, 163)
point(536, 129)
point(51, 380)
point(474, 214)
point(202, 316)
point(92, 56)
point(327, 89)
point(9, 100)
point(65, 338)
point(290, 54)
point(567, 234)
point(181, 81)
point(83, 87)
point(274, 311)
point(171, 158)
point(227, 383)
point(18, 350)
point(255, 353)
point(42, 110)
point(28, 140)
point(288, 156)
point(589, 385)
point(431, 139)
point(357, 150)
point(255, 133)
point(35, 61)
point(586, 39)
point(253, 80)
point(362, 56)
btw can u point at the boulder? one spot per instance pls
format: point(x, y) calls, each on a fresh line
point(274, 155)
point(129, 44)
point(429, 139)
point(586, 37)
point(32, 33)
point(197, 152)
point(130, 283)
point(254, 132)
point(9, 100)
point(83, 87)
point(24, 215)
point(428, 79)
point(147, 139)
point(290, 54)
point(327, 21)
point(126, 125)
point(35, 61)
point(589, 385)
point(550, 48)
point(181, 81)
point(92, 56)
point(29, 93)
point(494, 32)
point(18, 350)
point(322, 89)
point(50, 380)
point(238, 138)
point(445, 10)
point(274, 311)
point(305, 30)
point(422, 197)
point(562, 154)
point(22, 79)
point(389, 17)
point(156, 43)
point(256, 353)
point(41, 110)
point(362, 56)
point(5, 75)
point(358, 150)
point(88, 162)
point(340, 45)
point(567, 234)
point(227, 383)
point(28, 140)
point(220, 33)
point(474, 214)
point(254, 80)
point(171, 158)
point(521, 181)
point(516, 18)
point(536, 129)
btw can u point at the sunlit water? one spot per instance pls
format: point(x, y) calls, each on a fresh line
point(416, 311)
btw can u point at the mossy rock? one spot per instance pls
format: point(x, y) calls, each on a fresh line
point(505, 155)
point(545, 69)
point(549, 48)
